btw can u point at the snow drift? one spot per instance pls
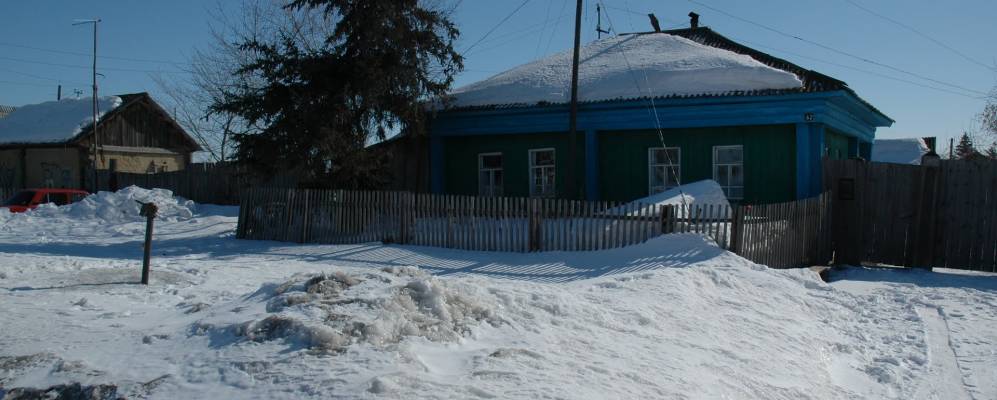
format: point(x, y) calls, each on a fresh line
point(702, 193)
point(115, 207)
point(621, 67)
point(899, 151)
point(380, 308)
point(52, 121)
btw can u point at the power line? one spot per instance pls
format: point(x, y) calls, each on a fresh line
point(89, 55)
point(923, 35)
point(41, 77)
point(513, 36)
point(503, 21)
point(89, 67)
point(879, 74)
point(844, 53)
point(48, 85)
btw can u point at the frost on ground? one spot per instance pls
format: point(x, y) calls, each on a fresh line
point(675, 317)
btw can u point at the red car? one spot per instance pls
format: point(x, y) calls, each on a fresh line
point(28, 199)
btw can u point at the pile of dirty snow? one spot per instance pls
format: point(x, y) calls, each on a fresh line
point(697, 194)
point(899, 151)
point(663, 64)
point(332, 311)
point(52, 121)
point(120, 206)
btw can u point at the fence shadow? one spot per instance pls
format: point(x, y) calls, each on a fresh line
point(982, 281)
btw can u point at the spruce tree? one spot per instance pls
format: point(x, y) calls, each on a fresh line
point(318, 108)
point(965, 149)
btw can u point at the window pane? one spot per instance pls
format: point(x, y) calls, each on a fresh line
point(673, 179)
point(545, 157)
point(729, 155)
point(721, 175)
point(491, 161)
point(673, 155)
point(498, 178)
point(665, 156)
point(658, 176)
point(736, 175)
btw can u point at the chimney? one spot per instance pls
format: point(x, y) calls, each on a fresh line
point(654, 22)
point(58, 93)
point(693, 20)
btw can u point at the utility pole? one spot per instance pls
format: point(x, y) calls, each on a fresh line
point(571, 185)
point(95, 145)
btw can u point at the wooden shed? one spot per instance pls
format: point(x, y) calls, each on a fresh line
point(53, 144)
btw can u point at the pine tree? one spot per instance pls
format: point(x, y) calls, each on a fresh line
point(965, 149)
point(318, 108)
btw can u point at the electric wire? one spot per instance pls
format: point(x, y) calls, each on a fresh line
point(834, 50)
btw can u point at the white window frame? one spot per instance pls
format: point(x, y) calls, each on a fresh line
point(496, 190)
point(726, 186)
point(551, 192)
point(651, 165)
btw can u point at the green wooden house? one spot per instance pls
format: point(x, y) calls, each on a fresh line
point(656, 109)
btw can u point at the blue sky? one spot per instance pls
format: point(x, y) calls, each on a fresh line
point(161, 33)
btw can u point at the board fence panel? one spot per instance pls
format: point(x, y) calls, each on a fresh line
point(781, 235)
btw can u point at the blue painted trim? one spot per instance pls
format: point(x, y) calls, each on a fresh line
point(817, 132)
point(837, 109)
point(591, 165)
point(809, 152)
point(436, 164)
point(802, 160)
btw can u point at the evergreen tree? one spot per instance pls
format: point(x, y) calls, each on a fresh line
point(318, 107)
point(965, 148)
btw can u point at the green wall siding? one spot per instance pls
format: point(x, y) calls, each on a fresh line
point(836, 145)
point(461, 160)
point(769, 159)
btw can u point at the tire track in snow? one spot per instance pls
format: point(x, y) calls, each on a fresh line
point(944, 379)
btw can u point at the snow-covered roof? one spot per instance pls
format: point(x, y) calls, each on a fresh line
point(52, 121)
point(628, 66)
point(899, 151)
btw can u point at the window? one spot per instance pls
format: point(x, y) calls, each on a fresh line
point(663, 169)
point(542, 172)
point(490, 174)
point(728, 170)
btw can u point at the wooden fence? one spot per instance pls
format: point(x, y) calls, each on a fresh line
point(776, 234)
point(915, 216)
point(203, 183)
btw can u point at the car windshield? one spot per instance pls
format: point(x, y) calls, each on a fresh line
point(22, 198)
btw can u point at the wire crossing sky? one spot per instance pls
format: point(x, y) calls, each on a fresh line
point(925, 64)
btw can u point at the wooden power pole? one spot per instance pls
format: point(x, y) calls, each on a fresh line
point(571, 183)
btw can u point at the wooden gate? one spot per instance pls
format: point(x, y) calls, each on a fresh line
point(915, 216)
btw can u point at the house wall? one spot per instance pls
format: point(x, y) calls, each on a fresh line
point(461, 160)
point(837, 146)
point(622, 162)
point(769, 159)
point(10, 169)
point(142, 163)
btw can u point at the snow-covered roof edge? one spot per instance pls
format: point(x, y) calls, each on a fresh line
point(813, 81)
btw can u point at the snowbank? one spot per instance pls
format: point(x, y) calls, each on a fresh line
point(701, 193)
point(52, 121)
point(380, 308)
point(115, 207)
point(662, 65)
point(899, 151)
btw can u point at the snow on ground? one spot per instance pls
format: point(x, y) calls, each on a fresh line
point(628, 66)
point(899, 151)
point(675, 317)
point(52, 121)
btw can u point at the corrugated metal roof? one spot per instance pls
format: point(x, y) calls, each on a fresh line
point(4, 110)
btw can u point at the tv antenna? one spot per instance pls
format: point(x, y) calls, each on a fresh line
point(598, 25)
